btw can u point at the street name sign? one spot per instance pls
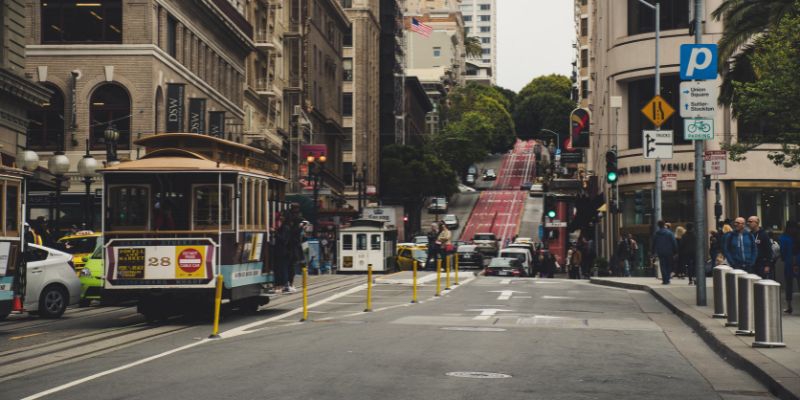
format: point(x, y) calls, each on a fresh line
point(716, 162)
point(669, 182)
point(555, 224)
point(699, 99)
point(698, 129)
point(657, 144)
point(698, 62)
point(657, 110)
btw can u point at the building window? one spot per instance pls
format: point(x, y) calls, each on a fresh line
point(584, 26)
point(486, 51)
point(81, 22)
point(466, 31)
point(641, 19)
point(172, 36)
point(486, 6)
point(485, 61)
point(347, 3)
point(640, 92)
point(110, 105)
point(437, 51)
point(486, 29)
point(347, 104)
point(774, 206)
point(584, 58)
point(486, 17)
point(585, 89)
point(46, 123)
point(347, 173)
point(347, 69)
point(486, 40)
point(467, 18)
point(347, 39)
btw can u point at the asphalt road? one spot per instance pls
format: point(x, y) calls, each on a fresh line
point(495, 338)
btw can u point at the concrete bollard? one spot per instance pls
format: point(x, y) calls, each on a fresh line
point(719, 290)
point(731, 298)
point(745, 319)
point(768, 323)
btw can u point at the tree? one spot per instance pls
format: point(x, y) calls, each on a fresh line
point(462, 99)
point(509, 94)
point(465, 141)
point(556, 84)
point(472, 46)
point(542, 111)
point(770, 101)
point(490, 103)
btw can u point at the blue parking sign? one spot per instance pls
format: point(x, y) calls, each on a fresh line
point(698, 62)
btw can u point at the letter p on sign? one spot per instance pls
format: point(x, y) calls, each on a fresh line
point(698, 62)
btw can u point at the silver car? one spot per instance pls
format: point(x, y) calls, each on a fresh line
point(52, 283)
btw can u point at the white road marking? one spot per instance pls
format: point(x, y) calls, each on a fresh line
point(488, 313)
point(505, 294)
point(557, 297)
point(505, 281)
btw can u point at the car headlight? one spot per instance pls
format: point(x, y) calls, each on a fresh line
point(85, 272)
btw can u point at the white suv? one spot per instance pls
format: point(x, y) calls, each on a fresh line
point(51, 283)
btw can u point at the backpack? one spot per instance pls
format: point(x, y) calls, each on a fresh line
point(776, 250)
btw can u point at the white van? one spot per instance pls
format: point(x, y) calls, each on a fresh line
point(523, 255)
point(51, 283)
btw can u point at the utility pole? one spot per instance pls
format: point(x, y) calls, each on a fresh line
point(657, 191)
point(699, 190)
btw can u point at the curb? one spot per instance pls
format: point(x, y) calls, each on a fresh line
point(780, 381)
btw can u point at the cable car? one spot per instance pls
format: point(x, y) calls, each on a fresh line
point(367, 242)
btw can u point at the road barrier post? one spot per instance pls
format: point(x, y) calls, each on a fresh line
point(732, 296)
point(448, 260)
point(719, 290)
point(746, 319)
point(217, 306)
point(438, 276)
point(768, 324)
point(305, 294)
point(369, 289)
point(456, 257)
point(414, 282)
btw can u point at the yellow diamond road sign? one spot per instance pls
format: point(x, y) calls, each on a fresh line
point(658, 110)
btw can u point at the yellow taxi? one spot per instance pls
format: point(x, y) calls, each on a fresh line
point(80, 245)
point(407, 253)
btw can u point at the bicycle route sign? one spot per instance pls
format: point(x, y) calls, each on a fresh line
point(698, 129)
point(698, 99)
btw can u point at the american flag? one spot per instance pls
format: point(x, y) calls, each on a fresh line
point(420, 28)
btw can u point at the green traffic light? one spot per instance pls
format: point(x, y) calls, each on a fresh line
point(551, 214)
point(611, 177)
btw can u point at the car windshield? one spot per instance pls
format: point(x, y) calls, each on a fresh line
point(450, 217)
point(518, 256)
point(98, 253)
point(78, 245)
point(500, 263)
point(483, 237)
point(420, 254)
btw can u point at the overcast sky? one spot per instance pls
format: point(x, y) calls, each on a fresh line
point(534, 37)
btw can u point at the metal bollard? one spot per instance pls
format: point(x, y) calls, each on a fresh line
point(744, 288)
point(768, 323)
point(730, 296)
point(369, 288)
point(719, 290)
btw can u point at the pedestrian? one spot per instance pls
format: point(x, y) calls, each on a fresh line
point(763, 264)
point(686, 250)
point(570, 273)
point(294, 245)
point(664, 247)
point(634, 253)
point(739, 247)
point(624, 254)
point(577, 262)
point(443, 240)
point(713, 247)
point(790, 254)
point(680, 268)
point(433, 247)
point(281, 247)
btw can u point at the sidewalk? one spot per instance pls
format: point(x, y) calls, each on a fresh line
point(778, 369)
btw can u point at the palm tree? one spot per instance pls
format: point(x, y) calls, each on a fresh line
point(472, 46)
point(742, 21)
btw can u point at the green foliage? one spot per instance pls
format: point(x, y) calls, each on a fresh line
point(472, 46)
point(542, 111)
point(463, 99)
point(489, 103)
point(412, 174)
point(465, 141)
point(510, 95)
point(555, 84)
point(771, 100)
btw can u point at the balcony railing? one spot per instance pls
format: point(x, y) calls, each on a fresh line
point(265, 87)
point(233, 14)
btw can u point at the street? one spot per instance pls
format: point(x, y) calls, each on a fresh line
point(554, 339)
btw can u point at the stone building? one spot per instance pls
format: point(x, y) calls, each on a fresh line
point(137, 66)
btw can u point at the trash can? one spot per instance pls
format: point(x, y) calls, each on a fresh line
point(767, 304)
point(745, 319)
point(719, 290)
point(730, 296)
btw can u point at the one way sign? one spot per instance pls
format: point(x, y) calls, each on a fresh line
point(657, 144)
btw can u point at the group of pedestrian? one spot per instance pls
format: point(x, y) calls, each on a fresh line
point(544, 265)
point(627, 253)
point(439, 243)
point(288, 248)
point(580, 258)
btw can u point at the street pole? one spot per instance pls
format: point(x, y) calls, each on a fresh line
point(699, 190)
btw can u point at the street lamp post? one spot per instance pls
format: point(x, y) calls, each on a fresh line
point(315, 167)
point(58, 166)
point(87, 168)
point(111, 135)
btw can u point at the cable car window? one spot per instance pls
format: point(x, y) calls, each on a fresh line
point(128, 207)
point(361, 241)
point(12, 209)
point(376, 242)
point(347, 242)
point(206, 206)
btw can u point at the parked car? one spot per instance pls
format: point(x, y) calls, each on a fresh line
point(406, 256)
point(51, 283)
point(523, 240)
point(504, 267)
point(91, 277)
point(526, 186)
point(438, 205)
point(421, 241)
point(81, 245)
point(536, 190)
point(486, 242)
point(469, 256)
point(489, 175)
point(472, 170)
point(524, 256)
point(450, 221)
point(470, 179)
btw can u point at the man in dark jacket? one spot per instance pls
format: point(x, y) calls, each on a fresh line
point(664, 247)
point(686, 249)
point(763, 264)
point(739, 247)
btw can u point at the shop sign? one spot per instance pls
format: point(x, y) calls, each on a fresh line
point(216, 124)
point(197, 115)
point(174, 110)
point(669, 182)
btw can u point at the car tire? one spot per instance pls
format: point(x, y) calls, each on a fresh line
point(53, 301)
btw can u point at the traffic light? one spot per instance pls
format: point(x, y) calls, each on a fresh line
point(550, 207)
point(612, 174)
point(551, 214)
point(638, 202)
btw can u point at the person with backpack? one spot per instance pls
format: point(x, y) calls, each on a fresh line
point(763, 263)
point(789, 243)
point(739, 247)
point(664, 247)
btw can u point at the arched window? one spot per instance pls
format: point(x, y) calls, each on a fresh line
point(66, 21)
point(110, 105)
point(46, 123)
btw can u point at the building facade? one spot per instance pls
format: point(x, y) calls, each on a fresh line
point(139, 67)
point(480, 21)
point(620, 81)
